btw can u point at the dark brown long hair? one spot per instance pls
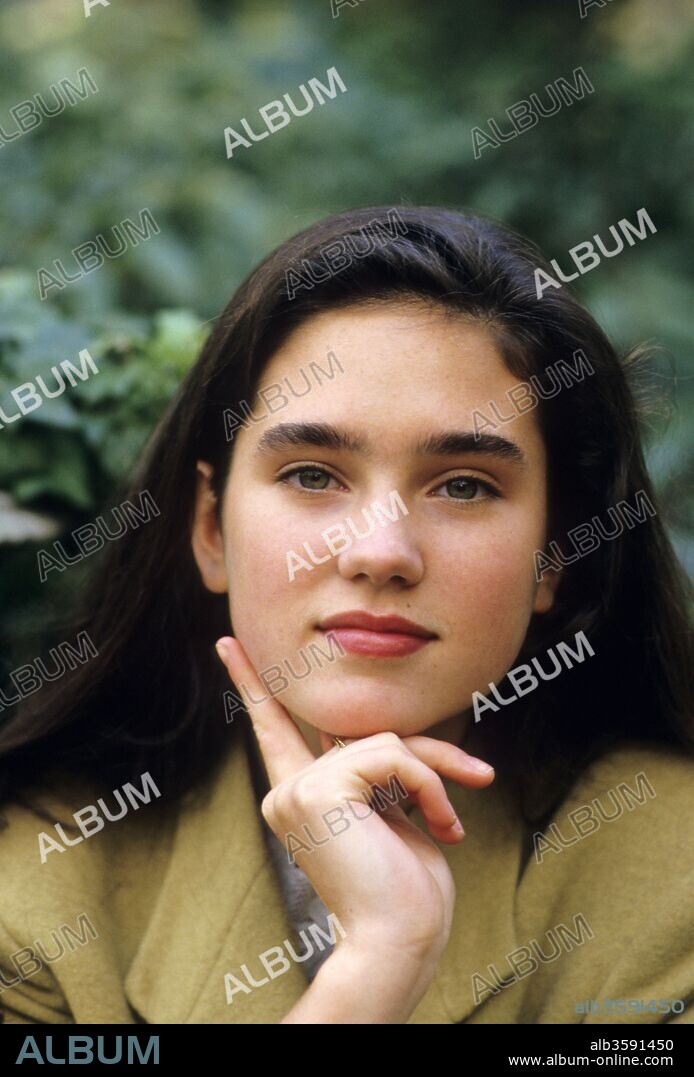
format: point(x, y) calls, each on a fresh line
point(153, 697)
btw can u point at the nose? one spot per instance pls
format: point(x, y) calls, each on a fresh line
point(381, 551)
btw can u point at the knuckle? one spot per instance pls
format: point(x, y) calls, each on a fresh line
point(389, 739)
point(283, 802)
point(433, 782)
point(267, 807)
point(308, 792)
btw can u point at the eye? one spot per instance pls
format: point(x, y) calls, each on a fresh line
point(309, 478)
point(467, 488)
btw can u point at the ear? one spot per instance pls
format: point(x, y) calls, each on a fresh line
point(206, 538)
point(546, 591)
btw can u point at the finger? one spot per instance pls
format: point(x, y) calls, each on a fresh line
point(281, 744)
point(450, 835)
point(451, 761)
point(415, 779)
point(445, 758)
point(438, 758)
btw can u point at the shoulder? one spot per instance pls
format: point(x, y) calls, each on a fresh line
point(33, 900)
point(614, 867)
point(671, 766)
point(634, 799)
point(35, 811)
point(628, 812)
point(61, 890)
point(45, 837)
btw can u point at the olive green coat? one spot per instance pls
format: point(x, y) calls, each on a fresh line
point(179, 896)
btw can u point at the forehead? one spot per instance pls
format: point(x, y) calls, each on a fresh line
point(406, 369)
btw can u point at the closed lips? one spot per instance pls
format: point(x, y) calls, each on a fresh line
point(371, 623)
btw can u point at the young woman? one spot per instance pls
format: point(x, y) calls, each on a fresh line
point(405, 498)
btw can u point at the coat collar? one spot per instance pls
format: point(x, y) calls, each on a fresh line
point(220, 907)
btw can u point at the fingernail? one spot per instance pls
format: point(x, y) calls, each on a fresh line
point(457, 828)
point(222, 650)
point(481, 767)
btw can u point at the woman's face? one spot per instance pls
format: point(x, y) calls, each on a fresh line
point(458, 562)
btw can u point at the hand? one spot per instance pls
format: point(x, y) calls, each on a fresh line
point(385, 880)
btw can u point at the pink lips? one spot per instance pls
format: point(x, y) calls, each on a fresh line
point(376, 637)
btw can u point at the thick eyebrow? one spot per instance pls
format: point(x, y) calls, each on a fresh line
point(327, 436)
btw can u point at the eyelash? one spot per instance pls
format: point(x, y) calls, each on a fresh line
point(490, 491)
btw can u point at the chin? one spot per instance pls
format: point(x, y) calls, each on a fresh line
point(354, 727)
point(363, 715)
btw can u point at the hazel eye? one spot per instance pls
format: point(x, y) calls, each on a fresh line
point(466, 488)
point(309, 478)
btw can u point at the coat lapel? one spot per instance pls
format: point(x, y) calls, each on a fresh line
point(220, 907)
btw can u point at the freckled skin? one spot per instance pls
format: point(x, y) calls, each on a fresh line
point(463, 569)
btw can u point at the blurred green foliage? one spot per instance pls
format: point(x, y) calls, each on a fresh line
point(171, 75)
point(79, 444)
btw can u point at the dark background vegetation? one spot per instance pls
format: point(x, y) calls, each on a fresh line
point(173, 73)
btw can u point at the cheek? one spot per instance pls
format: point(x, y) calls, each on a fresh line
point(487, 587)
point(261, 596)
